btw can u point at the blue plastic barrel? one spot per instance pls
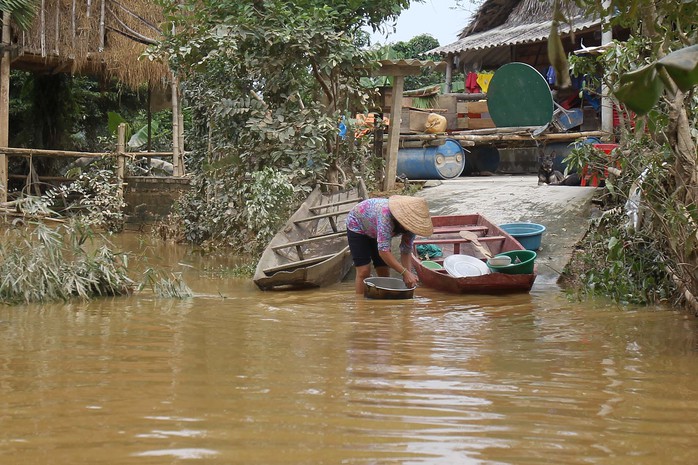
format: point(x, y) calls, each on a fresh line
point(445, 161)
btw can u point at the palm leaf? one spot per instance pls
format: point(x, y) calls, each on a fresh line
point(22, 11)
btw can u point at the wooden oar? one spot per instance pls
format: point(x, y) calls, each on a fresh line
point(472, 237)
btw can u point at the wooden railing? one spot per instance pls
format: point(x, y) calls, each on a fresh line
point(120, 153)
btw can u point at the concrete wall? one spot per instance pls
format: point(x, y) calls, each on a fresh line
point(487, 159)
point(522, 160)
point(515, 160)
point(149, 198)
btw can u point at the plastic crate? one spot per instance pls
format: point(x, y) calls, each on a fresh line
point(594, 178)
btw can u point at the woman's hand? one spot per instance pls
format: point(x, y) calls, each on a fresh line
point(410, 279)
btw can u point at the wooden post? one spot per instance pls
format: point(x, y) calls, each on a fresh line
point(176, 150)
point(449, 73)
point(394, 133)
point(121, 159)
point(4, 105)
point(181, 142)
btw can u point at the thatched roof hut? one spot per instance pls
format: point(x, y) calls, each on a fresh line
point(503, 31)
point(102, 38)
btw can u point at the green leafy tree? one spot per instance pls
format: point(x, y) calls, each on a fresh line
point(652, 78)
point(415, 48)
point(267, 82)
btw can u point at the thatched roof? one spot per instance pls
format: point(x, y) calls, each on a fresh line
point(503, 23)
point(103, 38)
point(513, 13)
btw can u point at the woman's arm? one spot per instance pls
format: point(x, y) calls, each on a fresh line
point(403, 267)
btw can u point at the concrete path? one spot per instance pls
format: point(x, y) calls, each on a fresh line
point(564, 211)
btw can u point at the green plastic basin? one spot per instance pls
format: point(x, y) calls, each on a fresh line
point(524, 259)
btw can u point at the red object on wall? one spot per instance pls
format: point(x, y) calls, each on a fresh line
point(616, 118)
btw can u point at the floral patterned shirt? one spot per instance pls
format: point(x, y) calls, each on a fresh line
point(372, 218)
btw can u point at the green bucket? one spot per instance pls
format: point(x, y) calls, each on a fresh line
point(524, 262)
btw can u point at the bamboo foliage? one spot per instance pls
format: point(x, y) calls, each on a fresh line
point(105, 38)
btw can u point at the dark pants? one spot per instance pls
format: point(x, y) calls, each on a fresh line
point(364, 249)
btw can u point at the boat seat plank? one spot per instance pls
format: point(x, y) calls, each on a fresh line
point(458, 240)
point(309, 240)
point(457, 229)
point(322, 215)
point(298, 264)
point(336, 204)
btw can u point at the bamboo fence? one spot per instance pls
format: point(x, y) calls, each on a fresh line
point(120, 153)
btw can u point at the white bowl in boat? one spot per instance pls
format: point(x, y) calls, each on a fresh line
point(502, 260)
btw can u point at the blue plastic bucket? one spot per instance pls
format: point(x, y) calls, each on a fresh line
point(445, 161)
point(529, 235)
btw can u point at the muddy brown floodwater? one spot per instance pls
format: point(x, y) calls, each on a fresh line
point(239, 376)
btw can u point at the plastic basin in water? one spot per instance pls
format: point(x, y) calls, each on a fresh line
point(522, 262)
point(529, 235)
point(387, 288)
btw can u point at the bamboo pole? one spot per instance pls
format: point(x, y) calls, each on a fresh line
point(4, 105)
point(181, 142)
point(102, 26)
point(176, 149)
point(57, 25)
point(22, 152)
point(121, 160)
point(73, 25)
point(43, 28)
point(475, 138)
point(149, 117)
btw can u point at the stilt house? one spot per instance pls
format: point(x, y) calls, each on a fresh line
point(100, 38)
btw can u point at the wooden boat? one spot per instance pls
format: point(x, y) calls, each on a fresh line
point(447, 236)
point(311, 250)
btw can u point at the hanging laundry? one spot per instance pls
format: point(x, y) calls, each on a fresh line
point(550, 75)
point(483, 80)
point(471, 84)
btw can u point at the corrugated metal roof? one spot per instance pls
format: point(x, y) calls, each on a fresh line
point(511, 35)
point(406, 67)
point(413, 63)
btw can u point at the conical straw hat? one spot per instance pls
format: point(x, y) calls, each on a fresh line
point(412, 213)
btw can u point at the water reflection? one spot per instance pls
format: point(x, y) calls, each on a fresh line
point(239, 376)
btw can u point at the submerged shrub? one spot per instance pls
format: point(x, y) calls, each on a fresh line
point(39, 264)
point(95, 196)
point(169, 285)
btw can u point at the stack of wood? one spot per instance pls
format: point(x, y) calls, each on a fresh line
point(474, 115)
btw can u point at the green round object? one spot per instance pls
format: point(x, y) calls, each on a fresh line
point(519, 95)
